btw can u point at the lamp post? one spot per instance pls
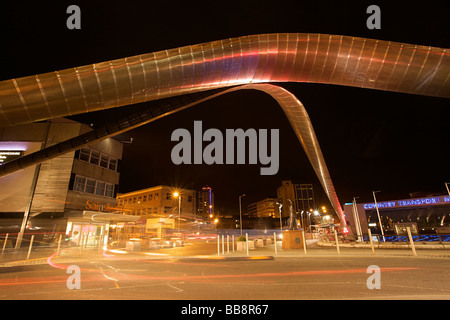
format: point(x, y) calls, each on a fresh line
point(240, 211)
point(178, 195)
point(279, 211)
point(378, 213)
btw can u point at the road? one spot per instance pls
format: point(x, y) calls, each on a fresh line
point(194, 273)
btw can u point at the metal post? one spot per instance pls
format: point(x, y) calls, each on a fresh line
point(240, 211)
point(371, 241)
point(408, 229)
point(246, 241)
point(337, 241)
point(218, 245)
point(223, 245)
point(378, 213)
point(275, 242)
point(228, 243)
point(179, 213)
point(4, 244)
point(59, 244)
point(81, 241)
point(446, 185)
point(304, 241)
point(232, 241)
point(31, 245)
point(356, 221)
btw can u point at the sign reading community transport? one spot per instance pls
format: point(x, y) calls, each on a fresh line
point(409, 203)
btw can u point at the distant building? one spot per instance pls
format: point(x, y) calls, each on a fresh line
point(205, 206)
point(266, 208)
point(300, 195)
point(158, 210)
point(159, 200)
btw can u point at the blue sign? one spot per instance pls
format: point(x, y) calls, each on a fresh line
point(409, 203)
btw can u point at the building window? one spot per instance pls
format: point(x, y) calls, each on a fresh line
point(104, 159)
point(100, 188)
point(189, 198)
point(97, 187)
point(112, 164)
point(79, 184)
point(85, 154)
point(95, 157)
point(98, 158)
point(90, 186)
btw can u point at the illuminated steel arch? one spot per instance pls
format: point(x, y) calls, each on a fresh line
point(329, 59)
point(280, 57)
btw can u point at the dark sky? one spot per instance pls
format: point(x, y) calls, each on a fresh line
point(371, 140)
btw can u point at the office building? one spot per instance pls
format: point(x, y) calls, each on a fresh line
point(61, 194)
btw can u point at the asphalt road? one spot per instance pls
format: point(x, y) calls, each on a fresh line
point(174, 274)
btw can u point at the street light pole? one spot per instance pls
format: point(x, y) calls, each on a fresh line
point(178, 195)
point(240, 211)
point(179, 212)
point(378, 213)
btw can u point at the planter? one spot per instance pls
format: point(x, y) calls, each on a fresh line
point(241, 245)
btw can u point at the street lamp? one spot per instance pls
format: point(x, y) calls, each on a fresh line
point(240, 210)
point(281, 223)
point(178, 195)
point(378, 213)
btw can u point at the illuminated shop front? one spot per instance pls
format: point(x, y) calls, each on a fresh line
point(422, 215)
point(92, 228)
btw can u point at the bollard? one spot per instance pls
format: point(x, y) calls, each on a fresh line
point(246, 241)
point(223, 245)
point(371, 241)
point(4, 244)
point(408, 229)
point(337, 242)
point(232, 241)
point(59, 244)
point(31, 245)
point(218, 245)
point(275, 242)
point(228, 243)
point(304, 241)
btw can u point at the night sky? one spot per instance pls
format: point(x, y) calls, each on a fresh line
point(371, 140)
